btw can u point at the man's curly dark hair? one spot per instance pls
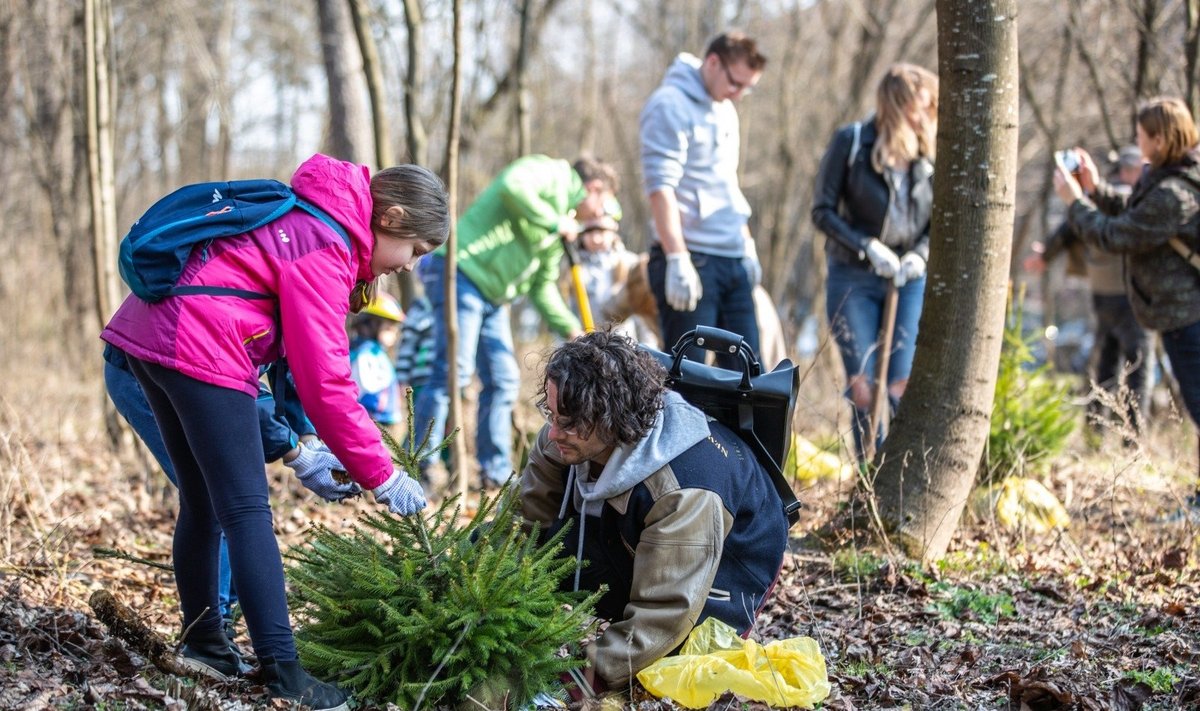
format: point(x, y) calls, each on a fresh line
point(606, 385)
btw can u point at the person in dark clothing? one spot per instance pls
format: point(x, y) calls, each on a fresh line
point(673, 512)
point(1157, 229)
point(873, 200)
point(1123, 348)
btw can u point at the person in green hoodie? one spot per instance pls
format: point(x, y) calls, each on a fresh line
point(509, 245)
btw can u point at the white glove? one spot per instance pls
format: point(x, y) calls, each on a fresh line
point(883, 260)
point(314, 467)
point(912, 267)
point(401, 493)
point(751, 264)
point(683, 282)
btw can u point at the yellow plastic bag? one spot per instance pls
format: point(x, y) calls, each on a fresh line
point(1020, 502)
point(807, 463)
point(788, 672)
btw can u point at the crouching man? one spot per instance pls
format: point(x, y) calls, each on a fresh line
point(670, 510)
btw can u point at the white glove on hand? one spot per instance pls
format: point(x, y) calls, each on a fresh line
point(753, 269)
point(912, 267)
point(683, 282)
point(883, 260)
point(401, 493)
point(314, 467)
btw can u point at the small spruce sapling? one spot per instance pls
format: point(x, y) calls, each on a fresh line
point(428, 610)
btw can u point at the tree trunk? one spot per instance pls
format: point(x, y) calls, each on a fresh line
point(928, 463)
point(414, 136)
point(346, 118)
point(460, 447)
point(99, 93)
point(374, 75)
point(524, 140)
point(1145, 78)
point(1191, 51)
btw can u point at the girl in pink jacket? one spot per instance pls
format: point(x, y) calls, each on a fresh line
point(197, 357)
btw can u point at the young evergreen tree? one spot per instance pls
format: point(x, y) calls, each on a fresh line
point(427, 610)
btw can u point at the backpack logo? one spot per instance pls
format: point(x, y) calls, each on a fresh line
point(216, 196)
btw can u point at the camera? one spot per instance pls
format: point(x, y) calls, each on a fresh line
point(1069, 160)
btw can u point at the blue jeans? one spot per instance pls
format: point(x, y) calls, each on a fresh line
point(1183, 348)
point(126, 394)
point(211, 434)
point(726, 302)
point(485, 346)
point(854, 297)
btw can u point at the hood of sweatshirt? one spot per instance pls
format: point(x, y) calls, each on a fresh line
point(684, 73)
point(678, 427)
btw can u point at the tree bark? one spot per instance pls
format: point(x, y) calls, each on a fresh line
point(1191, 53)
point(927, 466)
point(459, 448)
point(374, 75)
point(100, 145)
point(524, 140)
point(346, 118)
point(415, 136)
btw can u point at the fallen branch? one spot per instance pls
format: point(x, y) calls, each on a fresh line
point(123, 624)
point(102, 552)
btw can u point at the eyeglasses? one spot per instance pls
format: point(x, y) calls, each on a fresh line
point(557, 422)
point(737, 86)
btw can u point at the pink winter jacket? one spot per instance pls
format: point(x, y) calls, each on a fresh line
point(305, 264)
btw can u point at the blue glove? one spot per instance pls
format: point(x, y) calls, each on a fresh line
point(314, 467)
point(401, 493)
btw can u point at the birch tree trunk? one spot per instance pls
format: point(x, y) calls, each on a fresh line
point(928, 463)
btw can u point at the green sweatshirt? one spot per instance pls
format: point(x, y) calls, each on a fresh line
point(508, 242)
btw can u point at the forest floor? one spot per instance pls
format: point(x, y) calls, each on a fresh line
point(1103, 615)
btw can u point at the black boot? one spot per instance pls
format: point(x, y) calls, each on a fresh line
point(212, 654)
point(287, 680)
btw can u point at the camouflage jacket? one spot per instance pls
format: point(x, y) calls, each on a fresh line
point(1163, 288)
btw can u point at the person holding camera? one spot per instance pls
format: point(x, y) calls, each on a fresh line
point(1157, 229)
point(873, 200)
point(1123, 347)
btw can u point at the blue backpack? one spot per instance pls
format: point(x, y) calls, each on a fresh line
point(152, 255)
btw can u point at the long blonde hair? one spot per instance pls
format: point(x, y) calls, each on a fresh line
point(905, 87)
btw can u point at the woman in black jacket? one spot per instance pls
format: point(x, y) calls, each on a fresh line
point(873, 200)
point(1157, 228)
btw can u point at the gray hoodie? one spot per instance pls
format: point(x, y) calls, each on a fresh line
point(690, 144)
point(628, 465)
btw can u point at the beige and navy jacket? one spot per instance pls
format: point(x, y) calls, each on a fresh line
point(681, 526)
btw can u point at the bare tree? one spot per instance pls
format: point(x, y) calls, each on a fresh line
point(99, 91)
point(928, 463)
point(374, 76)
point(344, 138)
point(451, 325)
point(415, 137)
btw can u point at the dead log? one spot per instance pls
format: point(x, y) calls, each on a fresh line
point(123, 624)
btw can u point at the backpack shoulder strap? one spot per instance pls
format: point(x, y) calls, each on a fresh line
point(326, 218)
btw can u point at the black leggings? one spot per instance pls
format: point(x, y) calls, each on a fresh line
point(212, 436)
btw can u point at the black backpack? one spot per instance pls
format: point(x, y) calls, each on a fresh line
point(757, 406)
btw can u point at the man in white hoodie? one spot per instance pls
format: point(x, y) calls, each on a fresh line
point(703, 263)
point(671, 511)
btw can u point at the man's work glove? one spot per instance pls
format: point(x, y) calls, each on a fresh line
point(683, 282)
point(314, 467)
point(884, 261)
point(401, 493)
point(751, 264)
point(912, 267)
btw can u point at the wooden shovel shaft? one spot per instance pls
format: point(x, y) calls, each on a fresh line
point(883, 356)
